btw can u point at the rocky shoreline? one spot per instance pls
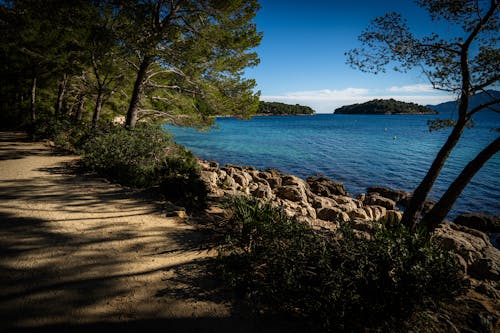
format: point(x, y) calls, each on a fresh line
point(324, 203)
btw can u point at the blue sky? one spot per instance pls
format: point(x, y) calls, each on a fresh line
point(303, 61)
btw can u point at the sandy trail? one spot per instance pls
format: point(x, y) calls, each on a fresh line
point(79, 253)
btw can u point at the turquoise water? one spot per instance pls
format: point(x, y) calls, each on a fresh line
point(358, 150)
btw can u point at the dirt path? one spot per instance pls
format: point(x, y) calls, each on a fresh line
point(79, 253)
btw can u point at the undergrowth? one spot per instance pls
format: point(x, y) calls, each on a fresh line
point(347, 283)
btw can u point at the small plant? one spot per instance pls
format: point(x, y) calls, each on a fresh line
point(334, 277)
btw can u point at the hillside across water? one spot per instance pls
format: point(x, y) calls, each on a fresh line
point(384, 106)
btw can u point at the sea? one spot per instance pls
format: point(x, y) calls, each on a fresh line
point(357, 150)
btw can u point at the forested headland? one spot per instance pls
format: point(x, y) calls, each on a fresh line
point(282, 109)
point(384, 106)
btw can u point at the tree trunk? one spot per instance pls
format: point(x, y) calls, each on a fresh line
point(79, 108)
point(438, 213)
point(33, 99)
point(98, 107)
point(60, 95)
point(416, 204)
point(137, 93)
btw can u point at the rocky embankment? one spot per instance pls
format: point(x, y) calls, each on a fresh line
point(324, 203)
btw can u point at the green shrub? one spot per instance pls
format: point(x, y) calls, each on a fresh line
point(145, 157)
point(130, 157)
point(346, 282)
point(64, 131)
point(181, 180)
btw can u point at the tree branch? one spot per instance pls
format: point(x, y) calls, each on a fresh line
point(165, 71)
point(486, 83)
point(493, 6)
point(483, 106)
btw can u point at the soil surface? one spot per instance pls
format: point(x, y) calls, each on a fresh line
point(78, 253)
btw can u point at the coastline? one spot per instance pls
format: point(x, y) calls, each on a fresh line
point(323, 202)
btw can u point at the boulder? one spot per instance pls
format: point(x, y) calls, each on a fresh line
point(363, 225)
point(222, 174)
point(375, 213)
point(394, 215)
point(480, 222)
point(325, 187)
point(292, 193)
point(274, 182)
point(346, 201)
point(358, 213)
point(482, 259)
point(332, 214)
point(240, 167)
point(377, 200)
point(242, 178)
point(290, 180)
point(263, 192)
point(386, 192)
point(209, 177)
point(322, 202)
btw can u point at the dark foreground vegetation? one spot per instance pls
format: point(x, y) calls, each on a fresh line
point(344, 281)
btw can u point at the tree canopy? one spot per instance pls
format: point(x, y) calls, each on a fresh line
point(182, 60)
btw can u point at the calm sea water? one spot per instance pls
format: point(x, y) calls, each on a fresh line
point(358, 150)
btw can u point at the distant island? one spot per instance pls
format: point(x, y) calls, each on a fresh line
point(384, 106)
point(282, 109)
point(478, 99)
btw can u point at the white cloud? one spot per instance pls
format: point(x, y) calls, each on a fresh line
point(414, 88)
point(327, 100)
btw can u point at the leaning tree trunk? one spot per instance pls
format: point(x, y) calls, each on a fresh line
point(98, 107)
point(137, 93)
point(438, 213)
point(417, 201)
point(33, 99)
point(60, 95)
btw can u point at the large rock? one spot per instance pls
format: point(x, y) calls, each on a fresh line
point(292, 193)
point(386, 192)
point(394, 215)
point(263, 192)
point(325, 187)
point(375, 213)
point(479, 222)
point(242, 178)
point(482, 259)
point(209, 177)
point(333, 214)
point(377, 200)
point(347, 202)
point(322, 202)
point(358, 213)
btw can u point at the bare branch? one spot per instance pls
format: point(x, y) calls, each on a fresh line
point(132, 64)
point(483, 106)
point(165, 71)
point(488, 82)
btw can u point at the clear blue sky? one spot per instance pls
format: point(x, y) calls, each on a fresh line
point(302, 53)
